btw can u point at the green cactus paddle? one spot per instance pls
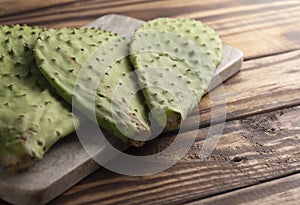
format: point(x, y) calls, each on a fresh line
point(97, 59)
point(33, 117)
point(175, 60)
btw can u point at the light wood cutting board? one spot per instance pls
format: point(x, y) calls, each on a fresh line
point(67, 162)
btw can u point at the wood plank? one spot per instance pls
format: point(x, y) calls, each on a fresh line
point(251, 151)
point(258, 28)
point(262, 85)
point(280, 191)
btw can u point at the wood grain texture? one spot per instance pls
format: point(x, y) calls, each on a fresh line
point(258, 28)
point(262, 85)
point(251, 151)
point(280, 191)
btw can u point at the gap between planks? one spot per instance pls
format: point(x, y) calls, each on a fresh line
point(278, 190)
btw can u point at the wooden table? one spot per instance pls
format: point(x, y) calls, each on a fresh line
point(257, 160)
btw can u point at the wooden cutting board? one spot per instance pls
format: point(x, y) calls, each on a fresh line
point(67, 162)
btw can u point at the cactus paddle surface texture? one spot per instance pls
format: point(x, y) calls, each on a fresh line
point(175, 60)
point(33, 117)
point(94, 63)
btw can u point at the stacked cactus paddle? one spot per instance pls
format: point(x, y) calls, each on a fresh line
point(175, 60)
point(164, 71)
point(33, 117)
point(65, 58)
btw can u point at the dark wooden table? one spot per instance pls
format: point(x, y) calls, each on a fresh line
point(258, 158)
